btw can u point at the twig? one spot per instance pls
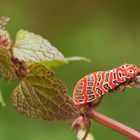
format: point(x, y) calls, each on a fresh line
point(117, 126)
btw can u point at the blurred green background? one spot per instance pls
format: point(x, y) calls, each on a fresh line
point(107, 32)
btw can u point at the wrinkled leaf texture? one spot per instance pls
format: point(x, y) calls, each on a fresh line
point(6, 66)
point(41, 95)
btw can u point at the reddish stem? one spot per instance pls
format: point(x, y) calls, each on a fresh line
point(117, 126)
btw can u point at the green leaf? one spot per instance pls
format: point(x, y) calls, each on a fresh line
point(54, 63)
point(2, 103)
point(6, 66)
point(41, 95)
point(30, 47)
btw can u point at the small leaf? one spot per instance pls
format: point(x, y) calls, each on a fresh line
point(5, 40)
point(6, 66)
point(2, 103)
point(41, 95)
point(3, 21)
point(81, 134)
point(30, 47)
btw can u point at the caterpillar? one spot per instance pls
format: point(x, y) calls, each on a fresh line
point(97, 84)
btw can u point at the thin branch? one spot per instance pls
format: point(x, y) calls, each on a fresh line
point(117, 126)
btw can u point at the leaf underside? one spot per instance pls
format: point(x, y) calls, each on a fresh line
point(41, 95)
point(33, 48)
point(6, 66)
point(30, 47)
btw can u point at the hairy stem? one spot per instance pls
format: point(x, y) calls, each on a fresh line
point(117, 126)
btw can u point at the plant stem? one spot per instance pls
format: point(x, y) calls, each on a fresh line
point(117, 126)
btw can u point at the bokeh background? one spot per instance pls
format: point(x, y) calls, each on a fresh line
point(107, 32)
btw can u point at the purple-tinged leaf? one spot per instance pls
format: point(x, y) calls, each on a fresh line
point(6, 66)
point(5, 41)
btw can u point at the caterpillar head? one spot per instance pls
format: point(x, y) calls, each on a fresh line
point(130, 70)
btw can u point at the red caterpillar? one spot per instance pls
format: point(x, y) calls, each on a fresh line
point(96, 84)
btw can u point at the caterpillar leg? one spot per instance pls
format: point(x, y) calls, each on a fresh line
point(134, 83)
point(84, 108)
point(96, 102)
point(119, 88)
point(93, 105)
